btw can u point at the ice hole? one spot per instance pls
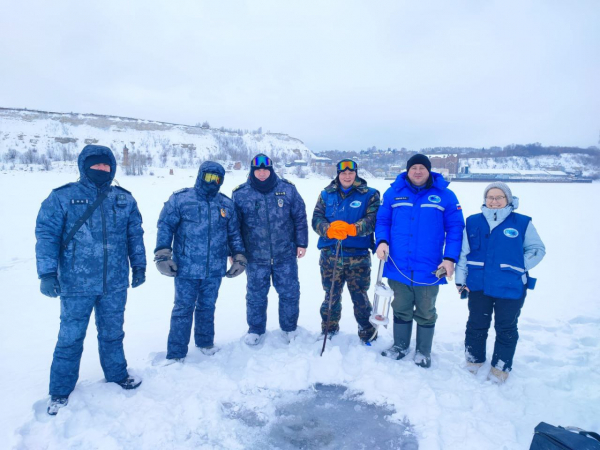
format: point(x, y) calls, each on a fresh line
point(324, 417)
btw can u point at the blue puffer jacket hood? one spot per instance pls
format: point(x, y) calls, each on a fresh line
point(91, 150)
point(401, 182)
point(208, 166)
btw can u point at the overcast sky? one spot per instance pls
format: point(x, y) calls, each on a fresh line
point(336, 74)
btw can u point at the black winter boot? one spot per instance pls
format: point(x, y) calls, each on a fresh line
point(402, 333)
point(368, 335)
point(57, 402)
point(131, 382)
point(424, 342)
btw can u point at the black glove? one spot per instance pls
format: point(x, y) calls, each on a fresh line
point(138, 277)
point(238, 266)
point(164, 263)
point(49, 285)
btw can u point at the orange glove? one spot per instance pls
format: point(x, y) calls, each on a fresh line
point(337, 230)
point(351, 229)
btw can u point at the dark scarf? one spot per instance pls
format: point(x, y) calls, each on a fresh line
point(98, 177)
point(263, 186)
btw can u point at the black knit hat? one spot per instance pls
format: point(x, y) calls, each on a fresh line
point(92, 160)
point(418, 159)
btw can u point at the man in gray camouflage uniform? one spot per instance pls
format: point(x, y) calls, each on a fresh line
point(197, 229)
point(275, 233)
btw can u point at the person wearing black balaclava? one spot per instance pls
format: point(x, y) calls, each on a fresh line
point(197, 228)
point(97, 169)
point(275, 232)
point(86, 263)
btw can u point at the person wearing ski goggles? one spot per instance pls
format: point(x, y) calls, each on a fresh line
point(197, 228)
point(211, 177)
point(345, 216)
point(261, 161)
point(275, 232)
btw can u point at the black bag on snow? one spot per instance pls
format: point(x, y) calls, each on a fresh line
point(549, 437)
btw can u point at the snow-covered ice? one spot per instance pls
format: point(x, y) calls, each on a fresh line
point(212, 401)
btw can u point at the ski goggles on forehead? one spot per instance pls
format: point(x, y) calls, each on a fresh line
point(211, 177)
point(262, 161)
point(346, 165)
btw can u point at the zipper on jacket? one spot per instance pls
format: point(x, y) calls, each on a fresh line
point(183, 245)
point(105, 247)
point(268, 226)
point(74, 248)
point(114, 216)
point(208, 237)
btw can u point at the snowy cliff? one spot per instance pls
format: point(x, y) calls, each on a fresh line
point(60, 136)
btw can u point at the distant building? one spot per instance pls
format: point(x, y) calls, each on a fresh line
point(448, 161)
point(320, 161)
point(298, 162)
point(518, 175)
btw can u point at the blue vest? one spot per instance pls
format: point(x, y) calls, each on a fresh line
point(350, 209)
point(496, 264)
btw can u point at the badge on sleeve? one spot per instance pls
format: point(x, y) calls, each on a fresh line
point(223, 213)
point(280, 202)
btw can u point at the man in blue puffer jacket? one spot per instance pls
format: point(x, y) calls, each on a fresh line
point(275, 232)
point(419, 226)
point(197, 229)
point(88, 266)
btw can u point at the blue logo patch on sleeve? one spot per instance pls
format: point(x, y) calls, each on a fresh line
point(511, 233)
point(355, 204)
point(434, 199)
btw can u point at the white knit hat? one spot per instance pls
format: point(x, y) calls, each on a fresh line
point(503, 187)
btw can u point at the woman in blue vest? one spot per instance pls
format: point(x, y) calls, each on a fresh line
point(499, 247)
point(345, 213)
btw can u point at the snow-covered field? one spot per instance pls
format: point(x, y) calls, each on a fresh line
point(555, 378)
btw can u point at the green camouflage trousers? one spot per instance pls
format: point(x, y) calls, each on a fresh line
point(356, 271)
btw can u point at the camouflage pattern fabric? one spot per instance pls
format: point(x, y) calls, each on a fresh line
point(203, 230)
point(96, 261)
point(356, 271)
point(274, 224)
point(285, 281)
point(74, 318)
point(192, 295)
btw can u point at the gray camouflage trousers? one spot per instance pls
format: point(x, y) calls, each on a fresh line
point(285, 281)
point(74, 318)
point(193, 296)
